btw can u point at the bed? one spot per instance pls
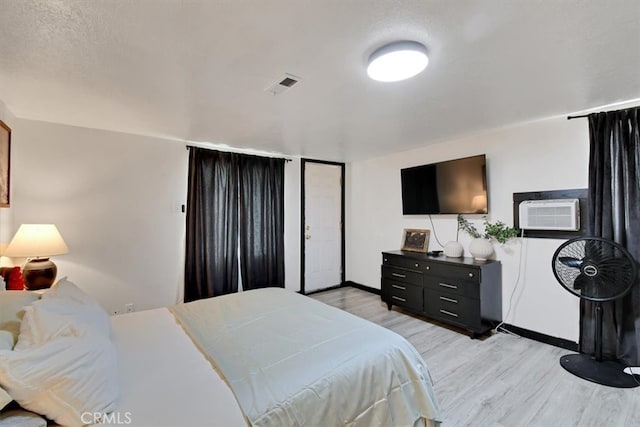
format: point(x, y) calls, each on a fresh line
point(267, 357)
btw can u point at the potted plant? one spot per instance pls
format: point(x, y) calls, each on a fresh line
point(481, 247)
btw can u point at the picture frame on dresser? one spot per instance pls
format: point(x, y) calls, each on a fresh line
point(5, 164)
point(415, 240)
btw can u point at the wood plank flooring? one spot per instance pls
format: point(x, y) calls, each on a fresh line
point(502, 380)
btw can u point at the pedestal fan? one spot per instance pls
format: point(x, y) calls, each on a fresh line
point(597, 270)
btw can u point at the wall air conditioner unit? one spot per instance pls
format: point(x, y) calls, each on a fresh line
point(556, 214)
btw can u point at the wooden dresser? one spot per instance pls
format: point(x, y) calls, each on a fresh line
point(459, 291)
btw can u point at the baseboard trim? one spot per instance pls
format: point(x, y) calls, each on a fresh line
point(322, 290)
point(543, 338)
point(362, 287)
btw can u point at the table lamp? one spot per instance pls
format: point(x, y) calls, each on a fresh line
point(37, 242)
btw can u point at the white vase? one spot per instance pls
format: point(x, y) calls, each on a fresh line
point(453, 249)
point(481, 248)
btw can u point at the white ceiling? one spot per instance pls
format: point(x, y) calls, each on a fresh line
point(196, 70)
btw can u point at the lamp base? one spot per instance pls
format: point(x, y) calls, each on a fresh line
point(39, 273)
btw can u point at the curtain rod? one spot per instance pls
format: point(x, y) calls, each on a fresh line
point(587, 115)
point(577, 117)
point(273, 157)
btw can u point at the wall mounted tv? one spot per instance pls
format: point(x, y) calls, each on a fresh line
point(452, 187)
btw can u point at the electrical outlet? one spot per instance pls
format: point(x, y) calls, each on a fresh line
point(130, 308)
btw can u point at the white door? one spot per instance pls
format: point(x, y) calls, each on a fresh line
point(323, 226)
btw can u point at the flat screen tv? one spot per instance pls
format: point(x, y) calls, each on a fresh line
point(452, 187)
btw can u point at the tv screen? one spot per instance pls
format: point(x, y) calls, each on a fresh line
point(452, 187)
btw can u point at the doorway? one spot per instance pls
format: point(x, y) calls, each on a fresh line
point(322, 226)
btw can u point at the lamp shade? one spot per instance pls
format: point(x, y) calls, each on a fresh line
point(397, 61)
point(36, 240)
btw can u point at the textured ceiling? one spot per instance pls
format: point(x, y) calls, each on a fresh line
point(197, 70)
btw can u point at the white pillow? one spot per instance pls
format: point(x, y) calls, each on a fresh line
point(62, 311)
point(12, 304)
point(63, 378)
point(21, 418)
point(68, 290)
point(6, 340)
point(5, 399)
point(50, 318)
point(6, 343)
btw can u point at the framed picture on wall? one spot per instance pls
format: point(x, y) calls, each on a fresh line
point(5, 159)
point(415, 240)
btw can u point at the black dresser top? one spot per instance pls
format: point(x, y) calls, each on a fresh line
point(442, 258)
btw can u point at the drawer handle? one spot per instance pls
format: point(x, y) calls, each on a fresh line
point(455, 301)
point(385, 260)
point(416, 265)
point(427, 268)
point(398, 298)
point(470, 274)
point(448, 313)
point(402, 276)
point(399, 287)
point(446, 285)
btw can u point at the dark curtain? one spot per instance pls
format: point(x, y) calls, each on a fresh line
point(211, 264)
point(262, 222)
point(614, 213)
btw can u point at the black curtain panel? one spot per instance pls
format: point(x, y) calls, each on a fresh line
point(211, 264)
point(614, 213)
point(261, 222)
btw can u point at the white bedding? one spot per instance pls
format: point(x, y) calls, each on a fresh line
point(164, 379)
point(325, 367)
point(293, 361)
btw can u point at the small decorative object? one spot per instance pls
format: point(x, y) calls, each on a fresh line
point(16, 281)
point(453, 249)
point(481, 247)
point(415, 240)
point(37, 242)
point(5, 158)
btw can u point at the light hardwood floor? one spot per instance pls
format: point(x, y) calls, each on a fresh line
point(502, 380)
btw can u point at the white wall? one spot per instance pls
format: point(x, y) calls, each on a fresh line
point(115, 198)
point(545, 155)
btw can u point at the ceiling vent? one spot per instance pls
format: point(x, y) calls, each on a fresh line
point(284, 83)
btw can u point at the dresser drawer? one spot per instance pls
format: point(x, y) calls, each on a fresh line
point(452, 308)
point(402, 294)
point(403, 262)
point(455, 287)
point(402, 275)
point(454, 272)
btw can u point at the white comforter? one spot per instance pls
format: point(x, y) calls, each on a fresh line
point(293, 361)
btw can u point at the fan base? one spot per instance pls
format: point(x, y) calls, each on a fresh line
point(606, 372)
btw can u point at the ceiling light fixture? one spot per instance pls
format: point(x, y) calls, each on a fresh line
point(397, 61)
